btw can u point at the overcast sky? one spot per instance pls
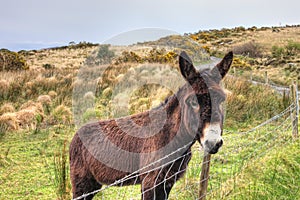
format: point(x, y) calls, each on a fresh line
point(31, 24)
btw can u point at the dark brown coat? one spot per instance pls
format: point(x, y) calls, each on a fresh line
point(152, 148)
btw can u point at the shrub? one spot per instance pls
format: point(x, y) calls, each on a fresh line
point(155, 55)
point(278, 52)
point(104, 55)
point(11, 61)
point(129, 57)
point(292, 48)
point(240, 63)
point(48, 66)
point(250, 49)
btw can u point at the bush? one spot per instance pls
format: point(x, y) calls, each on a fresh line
point(104, 55)
point(155, 55)
point(278, 52)
point(291, 49)
point(240, 63)
point(48, 66)
point(11, 61)
point(129, 57)
point(250, 49)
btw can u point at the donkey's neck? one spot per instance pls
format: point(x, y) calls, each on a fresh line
point(170, 112)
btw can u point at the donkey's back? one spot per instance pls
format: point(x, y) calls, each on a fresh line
point(94, 161)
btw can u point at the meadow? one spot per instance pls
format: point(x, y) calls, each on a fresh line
point(42, 107)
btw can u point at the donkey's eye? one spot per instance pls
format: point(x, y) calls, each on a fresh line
point(193, 102)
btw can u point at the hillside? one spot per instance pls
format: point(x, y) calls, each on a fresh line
point(272, 50)
point(52, 92)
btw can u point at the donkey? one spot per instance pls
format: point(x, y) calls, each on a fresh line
point(152, 148)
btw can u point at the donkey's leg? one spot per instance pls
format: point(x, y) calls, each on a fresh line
point(157, 192)
point(162, 191)
point(85, 185)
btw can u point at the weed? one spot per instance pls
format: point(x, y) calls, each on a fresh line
point(61, 171)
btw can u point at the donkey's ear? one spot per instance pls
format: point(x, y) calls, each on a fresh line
point(187, 69)
point(224, 65)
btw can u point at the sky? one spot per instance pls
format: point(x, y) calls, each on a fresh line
point(35, 24)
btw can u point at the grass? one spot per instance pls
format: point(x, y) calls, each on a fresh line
point(259, 165)
point(263, 164)
point(26, 163)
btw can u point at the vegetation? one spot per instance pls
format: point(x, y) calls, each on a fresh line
point(36, 119)
point(155, 55)
point(291, 49)
point(250, 49)
point(11, 61)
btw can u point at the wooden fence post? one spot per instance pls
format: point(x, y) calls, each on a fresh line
point(295, 114)
point(204, 176)
point(266, 78)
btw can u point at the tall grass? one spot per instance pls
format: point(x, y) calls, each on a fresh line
point(61, 171)
point(249, 104)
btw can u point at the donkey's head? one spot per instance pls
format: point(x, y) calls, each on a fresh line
point(201, 101)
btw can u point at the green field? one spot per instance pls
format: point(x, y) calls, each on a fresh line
point(36, 119)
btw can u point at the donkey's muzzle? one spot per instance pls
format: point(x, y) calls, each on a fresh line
point(213, 147)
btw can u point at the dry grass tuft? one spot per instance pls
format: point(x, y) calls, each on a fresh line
point(30, 114)
point(52, 94)
point(44, 99)
point(4, 85)
point(6, 108)
point(34, 106)
point(28, 119)
point(8, 122)
point(61, 115)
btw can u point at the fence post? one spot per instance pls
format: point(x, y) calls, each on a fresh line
point(204, 176)
point(295, 114)
point(266, 78)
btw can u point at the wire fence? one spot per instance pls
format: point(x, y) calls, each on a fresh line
point(241, 149)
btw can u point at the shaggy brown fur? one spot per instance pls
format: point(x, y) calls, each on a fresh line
point(106, 151)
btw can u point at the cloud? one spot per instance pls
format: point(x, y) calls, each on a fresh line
point(98, 20)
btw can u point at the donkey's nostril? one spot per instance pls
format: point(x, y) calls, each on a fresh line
point(219, 144)
point(213, 147)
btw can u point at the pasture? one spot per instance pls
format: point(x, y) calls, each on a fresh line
point(37, 123)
